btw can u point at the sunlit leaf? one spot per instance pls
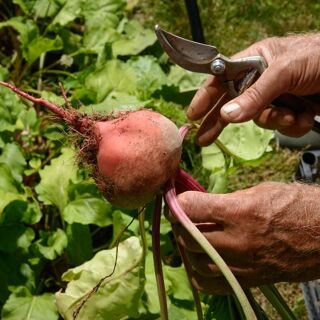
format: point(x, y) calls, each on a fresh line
point(246, 141)
point(185, 80)
point(55, 178)
point(89, 210)
point(113, 76)
point(51, 244)
point(41, 45)
point(212, 157)
point(134, 39)
point(30, 307)
point(12, 156)
point(120, 294)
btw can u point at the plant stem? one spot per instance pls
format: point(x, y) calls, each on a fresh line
point(51, 106)
point(157, 258)
point(180, 215)
point(274, 297)
point(195, 292)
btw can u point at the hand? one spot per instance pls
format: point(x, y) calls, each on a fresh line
point(266, 234)
point(293, 69)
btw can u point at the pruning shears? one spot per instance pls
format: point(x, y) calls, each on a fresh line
point(236, 74)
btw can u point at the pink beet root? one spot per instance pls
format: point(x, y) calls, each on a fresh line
point(131, 156)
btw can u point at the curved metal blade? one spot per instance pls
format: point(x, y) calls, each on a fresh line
point(190, 55)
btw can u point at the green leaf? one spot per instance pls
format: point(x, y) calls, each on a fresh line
point(30, 307)
point(26, 28)
point(120, 294)
point(246, 141)
point(12, 156)
point(70, 11)
point(134, 39)
point(55, 179)
point(7, 197)
point(7, 182)
point(179, 283)
point(113, 76)
point(79, 243)
point(148, 73)
point(52, 97)
point(115, 101)
point(40, 45)
point(218, 182)
point(89, 210)
point(51, 244)
point(45, 8)
point(11, 106)
point(10, 275)
point(185, 80)
point(19, 211)
point(212, 157)
point(14, 236)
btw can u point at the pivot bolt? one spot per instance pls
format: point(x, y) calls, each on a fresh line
point(218, 67)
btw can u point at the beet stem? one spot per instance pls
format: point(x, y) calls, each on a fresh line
point(56, 109)
point(157, 258)
point(180, 215)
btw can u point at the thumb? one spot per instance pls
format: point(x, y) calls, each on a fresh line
point(249, 104)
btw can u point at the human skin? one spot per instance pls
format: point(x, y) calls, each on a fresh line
point(266, 234)
point(293, 69)
point(270, 232)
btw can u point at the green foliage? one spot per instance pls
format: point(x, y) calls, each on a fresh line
point(57, 232)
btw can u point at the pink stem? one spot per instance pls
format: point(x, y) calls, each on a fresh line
point(157, 258)
point(61, 113)
point(195, 292)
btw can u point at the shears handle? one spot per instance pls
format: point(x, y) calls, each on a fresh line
point(248, 70)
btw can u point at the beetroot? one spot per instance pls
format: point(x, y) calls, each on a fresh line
point(131, 156)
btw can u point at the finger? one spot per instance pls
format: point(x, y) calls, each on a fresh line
point(303, 124)
point(275, 118)
point(222, 209)
point(213, 123)
point(219, 285)
point(229, 248)
point(250, 104)
point(203, 265)
point(218, 239)
point(205, 98)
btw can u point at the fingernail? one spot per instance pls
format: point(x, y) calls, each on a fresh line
point(232, 110)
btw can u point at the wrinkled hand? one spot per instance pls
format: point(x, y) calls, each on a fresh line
point(266, 234)
point(293, 69)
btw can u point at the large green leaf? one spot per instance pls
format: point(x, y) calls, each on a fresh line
point(26, 28)
point(11, 266)
point(79, 243)
point(55, 179)
point(30, 307)
point(149, 75)
point(185, 80)
point(179, 284)
point(7, 182)
point(51, 244)
point(14, 236)
point(134, 39)
point(120, 294)
point(11, 106)
point(6, 197)
point(213, 158)
point(115, 101)
point(246, 141)
point(87, 206)
point(12, 156)
point(113, 76)
point(41, 45)
point(89, 210)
